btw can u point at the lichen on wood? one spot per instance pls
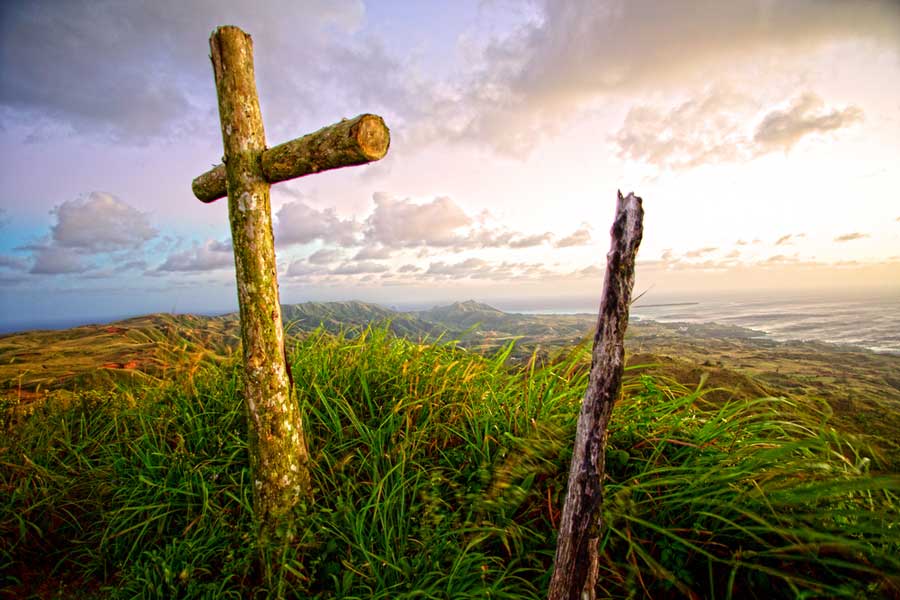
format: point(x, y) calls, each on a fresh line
point(576, 564)
point(350, 142)
point(277, 446)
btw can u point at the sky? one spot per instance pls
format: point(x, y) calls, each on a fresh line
point(763, 136)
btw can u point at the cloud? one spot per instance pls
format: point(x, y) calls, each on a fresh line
point(302, 269)
point(408, 268)
point(464, 268)
point(100, 222)
point(361, 267)
point(98, 225)
point(530, 241)
point(211, 256)
point(373, 253)
point(13, 263)
point(325, 256)
point(580, 237)
point(712, 128)
point(783, 240)
point(299, 223)
point(477, 268)
point(782, 129)
point(397, 223)
point(849, 237)
point(705, 129)
point(700, 252)
point(138, 71)
point(567, 54)
point(53, 260)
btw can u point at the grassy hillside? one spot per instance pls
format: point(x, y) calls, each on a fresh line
point(861, 388)
point(438, 474)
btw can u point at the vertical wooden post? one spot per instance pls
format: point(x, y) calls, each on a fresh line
point(278, 453)
point(575, 568)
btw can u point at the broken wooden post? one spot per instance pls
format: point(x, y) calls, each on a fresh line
point(277, 446)
point(576, 564)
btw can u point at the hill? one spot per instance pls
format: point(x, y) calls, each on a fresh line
point(860, 387)
point(437, 473)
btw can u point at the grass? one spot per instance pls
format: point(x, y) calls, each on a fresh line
point(438, 474)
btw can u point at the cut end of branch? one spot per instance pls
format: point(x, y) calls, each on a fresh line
point(372, 135)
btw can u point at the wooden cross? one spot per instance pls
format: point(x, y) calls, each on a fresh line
point(278, 454)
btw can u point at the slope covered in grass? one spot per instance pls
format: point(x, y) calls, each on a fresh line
point(438, 474)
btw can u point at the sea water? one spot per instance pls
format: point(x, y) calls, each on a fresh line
point(871, 322)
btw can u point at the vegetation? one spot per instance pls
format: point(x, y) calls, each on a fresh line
point(438, 473)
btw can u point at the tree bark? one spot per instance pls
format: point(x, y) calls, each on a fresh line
point(575, 570)
point(356, 141)
point(278, 453)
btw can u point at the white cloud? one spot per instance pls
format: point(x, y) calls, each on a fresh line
point(781, 129)
point(579, 237)
point(210, 256)
point(440, 223)
point(299, 223)
point(713, 128)
point(100, 222)
point(554, 67)
point(401, 222)
point(849, 237)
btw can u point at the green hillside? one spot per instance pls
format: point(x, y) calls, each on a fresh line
point(438, 473)
point(861, 388)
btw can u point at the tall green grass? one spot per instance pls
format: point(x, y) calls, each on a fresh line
point(439, 474)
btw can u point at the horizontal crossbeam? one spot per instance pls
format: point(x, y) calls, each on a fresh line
point(356, 141)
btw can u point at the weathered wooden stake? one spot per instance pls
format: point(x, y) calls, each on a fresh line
point(576, 565)
point(277, 446)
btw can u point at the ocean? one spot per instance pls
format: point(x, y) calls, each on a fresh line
point(868, 322)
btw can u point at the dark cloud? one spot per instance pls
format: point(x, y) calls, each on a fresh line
point(210, 256)
point(325, 256)
point(580, 237)
point(100, 222)
point(712, 128)
point(849, 237)
point(53, 260)
point(138, 71)
point(781, 129)
point(408, 268)
point(373, 253)
point(13, 263)
point(302, 269)
point(361, 267)
point(299, 223)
